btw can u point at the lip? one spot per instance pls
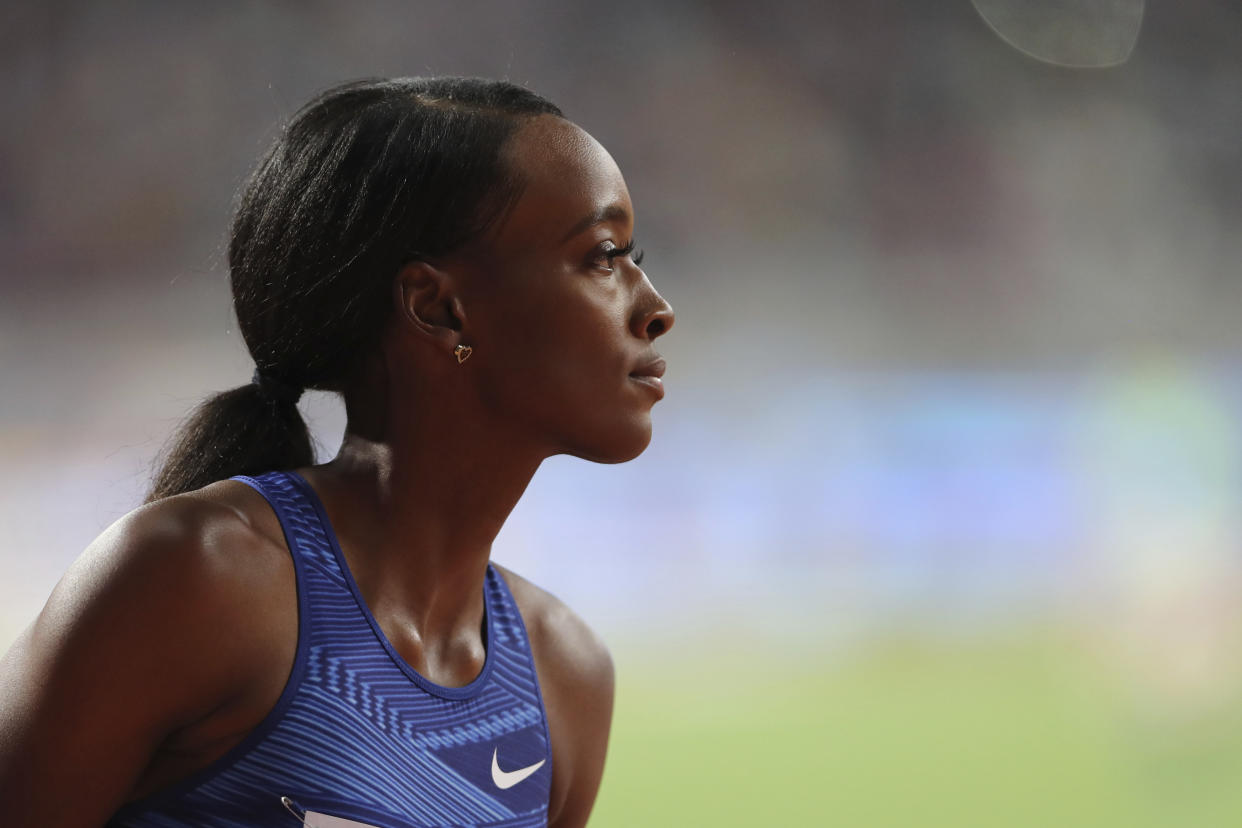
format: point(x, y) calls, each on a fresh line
point(654, 369)
point(654, 383)
point(650, 375)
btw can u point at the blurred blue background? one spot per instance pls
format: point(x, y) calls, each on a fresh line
point(953, 437)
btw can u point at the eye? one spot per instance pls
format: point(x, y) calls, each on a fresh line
point(604, 257)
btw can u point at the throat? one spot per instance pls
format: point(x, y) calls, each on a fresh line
point(449, 661)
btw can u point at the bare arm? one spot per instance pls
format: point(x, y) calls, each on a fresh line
point(577, 679)
point(144, 635)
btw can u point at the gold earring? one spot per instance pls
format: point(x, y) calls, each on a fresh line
point(462, 352)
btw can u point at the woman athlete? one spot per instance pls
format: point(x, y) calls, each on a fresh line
point(267, 640)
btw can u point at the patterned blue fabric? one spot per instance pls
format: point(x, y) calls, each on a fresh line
point(357, 733)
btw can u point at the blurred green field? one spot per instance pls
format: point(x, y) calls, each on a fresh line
point(1028, 731)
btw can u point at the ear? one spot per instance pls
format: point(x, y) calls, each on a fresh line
point(427, 303)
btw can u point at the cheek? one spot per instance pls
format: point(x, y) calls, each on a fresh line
point(571, 326)
point(554, 355)
point(563, 379)
point(569, 361)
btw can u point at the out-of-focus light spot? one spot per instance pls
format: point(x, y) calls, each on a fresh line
point(1082, 34)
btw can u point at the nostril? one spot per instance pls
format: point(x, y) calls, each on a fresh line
point(655, 327)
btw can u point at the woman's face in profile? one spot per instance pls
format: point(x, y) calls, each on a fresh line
point(561, 318)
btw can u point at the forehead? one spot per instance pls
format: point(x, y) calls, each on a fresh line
point(567, 176)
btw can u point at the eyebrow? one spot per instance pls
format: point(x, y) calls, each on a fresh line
point(613, 212)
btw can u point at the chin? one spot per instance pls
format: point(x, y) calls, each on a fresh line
point(621, 448)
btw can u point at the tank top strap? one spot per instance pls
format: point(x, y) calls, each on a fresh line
point(299, 514)
point(506, 622)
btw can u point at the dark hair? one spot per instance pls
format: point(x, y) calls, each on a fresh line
point(365, 178)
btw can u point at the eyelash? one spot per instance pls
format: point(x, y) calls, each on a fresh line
point(616, 252)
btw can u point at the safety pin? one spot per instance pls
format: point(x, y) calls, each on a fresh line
point(293, 808)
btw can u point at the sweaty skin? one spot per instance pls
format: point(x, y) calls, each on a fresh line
point(172, 637)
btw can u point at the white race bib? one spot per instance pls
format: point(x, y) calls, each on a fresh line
point(311, 819)
point(314, 820)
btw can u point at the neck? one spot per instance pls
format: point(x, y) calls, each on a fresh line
point(416, 510)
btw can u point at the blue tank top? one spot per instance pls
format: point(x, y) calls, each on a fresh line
point(357, 734)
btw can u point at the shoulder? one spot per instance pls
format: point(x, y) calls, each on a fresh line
point(192, 588)
point(181, 553)
point(171, 620)
point(174, 579)
point(577, 677)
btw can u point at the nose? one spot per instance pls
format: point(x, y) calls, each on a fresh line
point(653, 315)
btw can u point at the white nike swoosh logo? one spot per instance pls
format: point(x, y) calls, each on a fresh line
point(507, 779)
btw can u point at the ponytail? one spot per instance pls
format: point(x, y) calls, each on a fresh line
point(243, 431)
